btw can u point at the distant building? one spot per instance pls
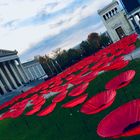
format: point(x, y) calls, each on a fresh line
point(77, 47)
point(12, 73)
point(34, 70)
point(115, 21)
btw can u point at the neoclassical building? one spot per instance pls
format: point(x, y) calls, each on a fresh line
point(115, 21)
point(132, 9)
point(34, 70)
point(12, 73)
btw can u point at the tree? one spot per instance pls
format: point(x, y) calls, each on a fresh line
point(47, 66)
point(63, 59)
point(57, 52)
point(94, 40)
point(85, 48)
point(74, 55)
point(104, 40)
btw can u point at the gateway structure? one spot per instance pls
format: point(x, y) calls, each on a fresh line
point(132, 8)
point(115, 21)
point(12, 73)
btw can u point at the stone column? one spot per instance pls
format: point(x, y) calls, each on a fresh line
point(2, 87)
point(136, 18)
point(138, 14)
point(10, 76)
point(22, 69)
point(16, 75)
point(42, 70)
point(16, 70)
point(19, 71)
point(37, 67)
point(137, 29)
point(5, 80)
point(131, 23)
point(35, 72)
point(32, 77)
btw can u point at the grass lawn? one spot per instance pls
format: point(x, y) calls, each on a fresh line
point(60, 125)
point(137, 43)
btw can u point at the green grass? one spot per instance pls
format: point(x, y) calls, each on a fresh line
point(61, 126)
point(137, 43)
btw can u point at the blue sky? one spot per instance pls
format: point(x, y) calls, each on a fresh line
point(36, 27)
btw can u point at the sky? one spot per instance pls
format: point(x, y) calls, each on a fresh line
point(37, 27)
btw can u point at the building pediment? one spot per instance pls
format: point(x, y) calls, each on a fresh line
point(4, 53)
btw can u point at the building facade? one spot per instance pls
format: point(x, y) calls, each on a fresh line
point(12, 73)
point(132, 9)
point(34, 70)
point(115, 21)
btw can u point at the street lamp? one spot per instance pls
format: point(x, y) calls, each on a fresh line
point(58, 64)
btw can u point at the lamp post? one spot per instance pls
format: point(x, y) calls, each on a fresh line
point(58, 65)
point(50, 68)
point(54, 66)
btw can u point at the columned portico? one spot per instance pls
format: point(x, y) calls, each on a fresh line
point(19, 72)
point(30, 74)
point(15, 73)
point(3, 89)
point(34, 70)
point(5, 80)
point(132, 9)
point(11, 77)
point(22, 69)
point(134, 20)
point(39, 72)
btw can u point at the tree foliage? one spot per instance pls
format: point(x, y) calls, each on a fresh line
point(62, 59)
point(105, 40)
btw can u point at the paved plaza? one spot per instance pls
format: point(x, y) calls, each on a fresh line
point(10, 95)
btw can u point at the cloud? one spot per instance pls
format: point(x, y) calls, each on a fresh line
point(30, 11)
point(32, 26)
point(67, 39)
